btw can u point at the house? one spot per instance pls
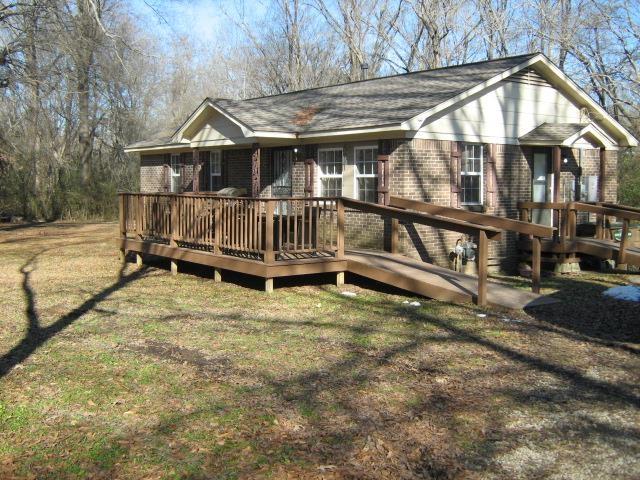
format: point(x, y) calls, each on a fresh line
point(481, 136)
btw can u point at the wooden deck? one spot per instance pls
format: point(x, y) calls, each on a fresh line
point(279, 237)
point(436, 282)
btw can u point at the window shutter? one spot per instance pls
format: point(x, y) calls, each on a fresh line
point(491, 181)
point(454, 173)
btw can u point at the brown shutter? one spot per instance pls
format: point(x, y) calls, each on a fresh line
point(454, 173)
point(491, 181)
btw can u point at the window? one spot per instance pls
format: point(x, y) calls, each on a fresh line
point(367, 173)
point(215, 170)
point(330, 172)
point(588, 188)
point(176, 179)
point(471, 174)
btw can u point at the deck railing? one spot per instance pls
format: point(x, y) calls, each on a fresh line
point(270, 229)
point(483, 233)
point(534, 231)
point(566, 219)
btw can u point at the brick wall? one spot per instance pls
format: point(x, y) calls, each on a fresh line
point(152, 173)
point(419, 169)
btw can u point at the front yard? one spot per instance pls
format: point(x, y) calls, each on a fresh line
point(124, 373)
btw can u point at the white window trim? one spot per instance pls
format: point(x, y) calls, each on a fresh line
point(332, 175)
point(480, 174)
point(175, 158)
point(355, 167)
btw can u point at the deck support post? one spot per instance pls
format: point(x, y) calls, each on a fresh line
point(339, 279)
point(217, 275)
point(536, 249)
point(268, 285)
point(483, 254)
point(139, 260)
point(174, 267)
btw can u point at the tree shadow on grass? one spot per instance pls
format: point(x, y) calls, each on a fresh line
point(36, 334)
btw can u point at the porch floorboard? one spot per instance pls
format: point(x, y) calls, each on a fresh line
point(436, 282)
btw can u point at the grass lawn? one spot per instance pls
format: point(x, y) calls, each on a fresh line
point(123, 373)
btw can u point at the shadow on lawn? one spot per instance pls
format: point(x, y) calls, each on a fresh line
point(37, 335)
point(584, 310)
point(436, 451)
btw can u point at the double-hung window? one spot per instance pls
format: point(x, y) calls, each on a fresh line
point(215, 170)
point(366, 173)
point(471, 176)
point(176, 178)
point(330, 172)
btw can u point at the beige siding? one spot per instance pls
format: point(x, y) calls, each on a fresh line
point(503, 114)
point(217, 127)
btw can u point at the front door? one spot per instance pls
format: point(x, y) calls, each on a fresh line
point(542, 187)
point(282, 164)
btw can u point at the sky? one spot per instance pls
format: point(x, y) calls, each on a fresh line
point(199, 20)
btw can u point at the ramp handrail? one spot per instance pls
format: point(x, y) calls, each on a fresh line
point(535, 231)
point(481, 232)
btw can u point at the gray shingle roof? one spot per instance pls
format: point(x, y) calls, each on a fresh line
point(551, 133)
point(376, 102)
point(159, 138)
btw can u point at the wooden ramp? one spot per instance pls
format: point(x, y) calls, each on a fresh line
point(436, 282)
point(607, 249)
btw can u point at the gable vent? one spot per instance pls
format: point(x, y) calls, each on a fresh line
point(528, 76)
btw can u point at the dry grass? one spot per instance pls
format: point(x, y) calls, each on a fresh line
point(110, 373)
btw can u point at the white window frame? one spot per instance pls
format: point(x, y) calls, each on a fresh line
point(175, 172)
point(212, 175)
point(479, 174)
point(356, 192)
point(322, 176)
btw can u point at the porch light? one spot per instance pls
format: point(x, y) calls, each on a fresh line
point(295, 150)
point(565, 160)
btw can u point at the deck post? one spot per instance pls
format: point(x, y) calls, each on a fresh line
point(269, 254)
point(217, 275)
point(174, 267)
point(341, 221)
point(535, 264)
point(174, 221)
point(122, 221)
point(217, 226)
point(395, 232)
point(339, 279)
point(255, 170)
point(483, 254)
point(572, 221)
point(268, 285)
point(139, 215)
point(623, 243)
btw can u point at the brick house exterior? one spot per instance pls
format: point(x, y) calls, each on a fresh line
point(512, 109)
